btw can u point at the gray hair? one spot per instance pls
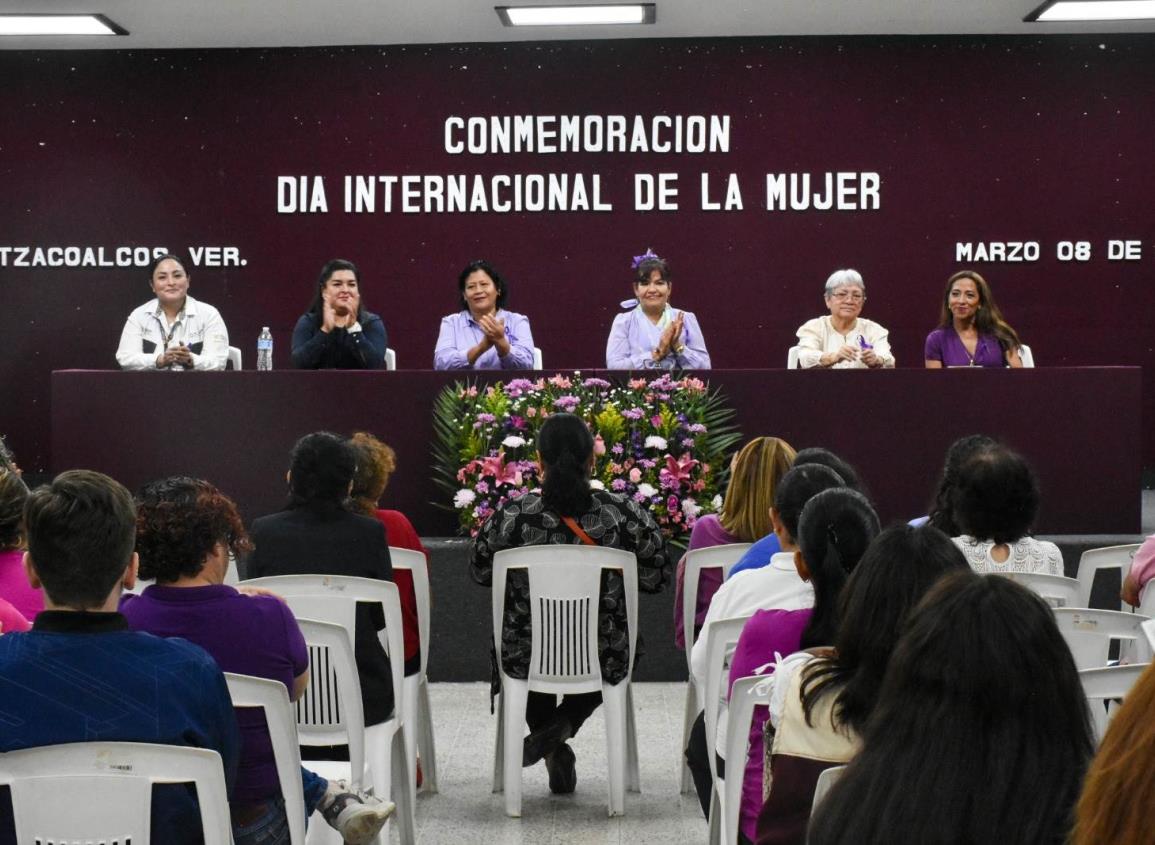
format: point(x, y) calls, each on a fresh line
point(841, 278)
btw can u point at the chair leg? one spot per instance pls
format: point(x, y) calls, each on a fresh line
point(499, 747)
point(425, 742)
point(633, 773)
point(404, 793)
point(691, 713)
point(715, 835)
point(409, 725)
point(614, 700)
point(515, 694)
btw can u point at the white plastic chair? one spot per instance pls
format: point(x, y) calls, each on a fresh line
point(1149, 631)
point(826, 780)
point(715, 557)
point(85, 792)
point(564, 590)
point(272, 697)
point(1108, 557)
point(1057, 590)
point(721, 637)
point(792, 358)
point(537, 363)
point(334, 598)
point(418, 712)
point(1103, 687)
point(234, 358)
point(1026, 357)
point(390, 359)
point(1089, 633)
point(745, 695)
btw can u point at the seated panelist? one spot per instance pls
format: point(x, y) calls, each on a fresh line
point(337, 333)
point(844, 340)
point(653, 334)
point(173, 331)
point(971, 330)
point(483, 335)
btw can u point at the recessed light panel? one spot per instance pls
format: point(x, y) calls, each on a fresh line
point(1093, 10)
point(633, 13)
point(47, 24)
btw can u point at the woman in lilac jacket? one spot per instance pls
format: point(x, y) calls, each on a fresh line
point(483, 335)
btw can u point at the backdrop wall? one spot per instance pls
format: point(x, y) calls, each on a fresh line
point(1041, 141)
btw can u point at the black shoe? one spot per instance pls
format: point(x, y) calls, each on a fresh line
point(545, 739)
point(561, 765)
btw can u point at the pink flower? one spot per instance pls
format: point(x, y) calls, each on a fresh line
point(560, 381)
point(672, 504)
point(635, 475)
point(656, 421)
point(531, 412)
point(599, 445)
point(502, 472)
point(637, 383)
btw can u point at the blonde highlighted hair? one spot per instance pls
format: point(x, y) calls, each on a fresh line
point(758, 467)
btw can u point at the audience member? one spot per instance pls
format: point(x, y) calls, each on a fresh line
point(1141, 572)
point(14, 586)
point(186, 529)
point(995, 503)
point(980, 732)
point(822, 702)
point(338, 332)
point(80, 674)
point(941, 514)
point(566, 511)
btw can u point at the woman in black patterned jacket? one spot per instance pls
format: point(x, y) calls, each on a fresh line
point(566, 455)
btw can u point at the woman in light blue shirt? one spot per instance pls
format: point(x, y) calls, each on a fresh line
point(483, 335)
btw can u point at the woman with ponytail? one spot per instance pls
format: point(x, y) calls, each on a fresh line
point(566, 511)
point(821, 705)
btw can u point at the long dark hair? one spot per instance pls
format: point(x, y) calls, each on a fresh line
point(988, 318)
point(565, 445)
point(321, 468)
point(942, 511)
point(981, 731)
point(328, 270)
point(899, 567)
point(834, 531)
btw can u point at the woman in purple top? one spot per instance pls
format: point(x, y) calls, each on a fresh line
point(653, 334)
point(483, 335)
point(186, 530)
point(971, 330)
point(14, 586)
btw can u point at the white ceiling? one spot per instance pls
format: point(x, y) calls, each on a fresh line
point(295, 23)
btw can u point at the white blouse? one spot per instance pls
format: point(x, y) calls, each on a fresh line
point(1026, 555)
point(818, 336)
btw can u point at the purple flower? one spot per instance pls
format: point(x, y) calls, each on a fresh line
point(633, 414)
point(688, 441)
point(595, 382)
point(486, 418)
point(618, 485)
point(672, 504)
point(617, 448)
point(481, 487)
point(517, 387)
point(698, 428)
point(566, 403)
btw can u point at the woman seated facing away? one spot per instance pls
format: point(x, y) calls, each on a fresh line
point(173, 331)
point(317, 535)
point(186, 529)
point(14, 586)
point(995, 504)
point(843, 340)
point(654, 334)
point(483, 335)
point(745, 517)
point(823, 701)
point(971, 330)
point(1134, 582)
point(337, 333)
point(834, 531)
point(1120, 787)
point(566, 511)
point(980, 732)
point(941, 514)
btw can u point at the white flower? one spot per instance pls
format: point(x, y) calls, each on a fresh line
point(596, 485)
point(691, 508)
point(646, 490)
point(513, 441)
point(716, 502)
point(655, 442)
point(464, 498)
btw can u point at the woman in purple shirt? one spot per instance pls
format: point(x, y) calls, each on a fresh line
point(971, 330)
point(653, 334)
point(483, 335)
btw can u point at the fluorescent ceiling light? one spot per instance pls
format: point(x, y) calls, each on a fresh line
point(632, 13)
point(1093, 10)
point(37, 24)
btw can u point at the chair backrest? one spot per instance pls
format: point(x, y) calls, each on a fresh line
point(1149, 632)
point(234, 359)
point(390, 359)
point(792, 358)
point(272, 697)
point(745, 695)
point(721, 636)
point(537, 362)
point(1108, 557)
point(1025, 356)
point(564, 590)
point(1058, 590)
point(714, 557)
point(826, 780)
point(1089, 633)
point(1103, 686)
point(416, 563)
point(101, 792)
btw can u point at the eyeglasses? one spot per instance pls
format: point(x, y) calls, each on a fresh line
point(853, 296)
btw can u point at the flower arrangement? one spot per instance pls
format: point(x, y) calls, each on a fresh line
point(661, 441)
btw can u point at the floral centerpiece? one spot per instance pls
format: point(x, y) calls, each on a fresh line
point(663, 441)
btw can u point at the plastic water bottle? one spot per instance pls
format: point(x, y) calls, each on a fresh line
point(265, 349)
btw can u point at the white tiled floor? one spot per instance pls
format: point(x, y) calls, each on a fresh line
point(467, 811)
